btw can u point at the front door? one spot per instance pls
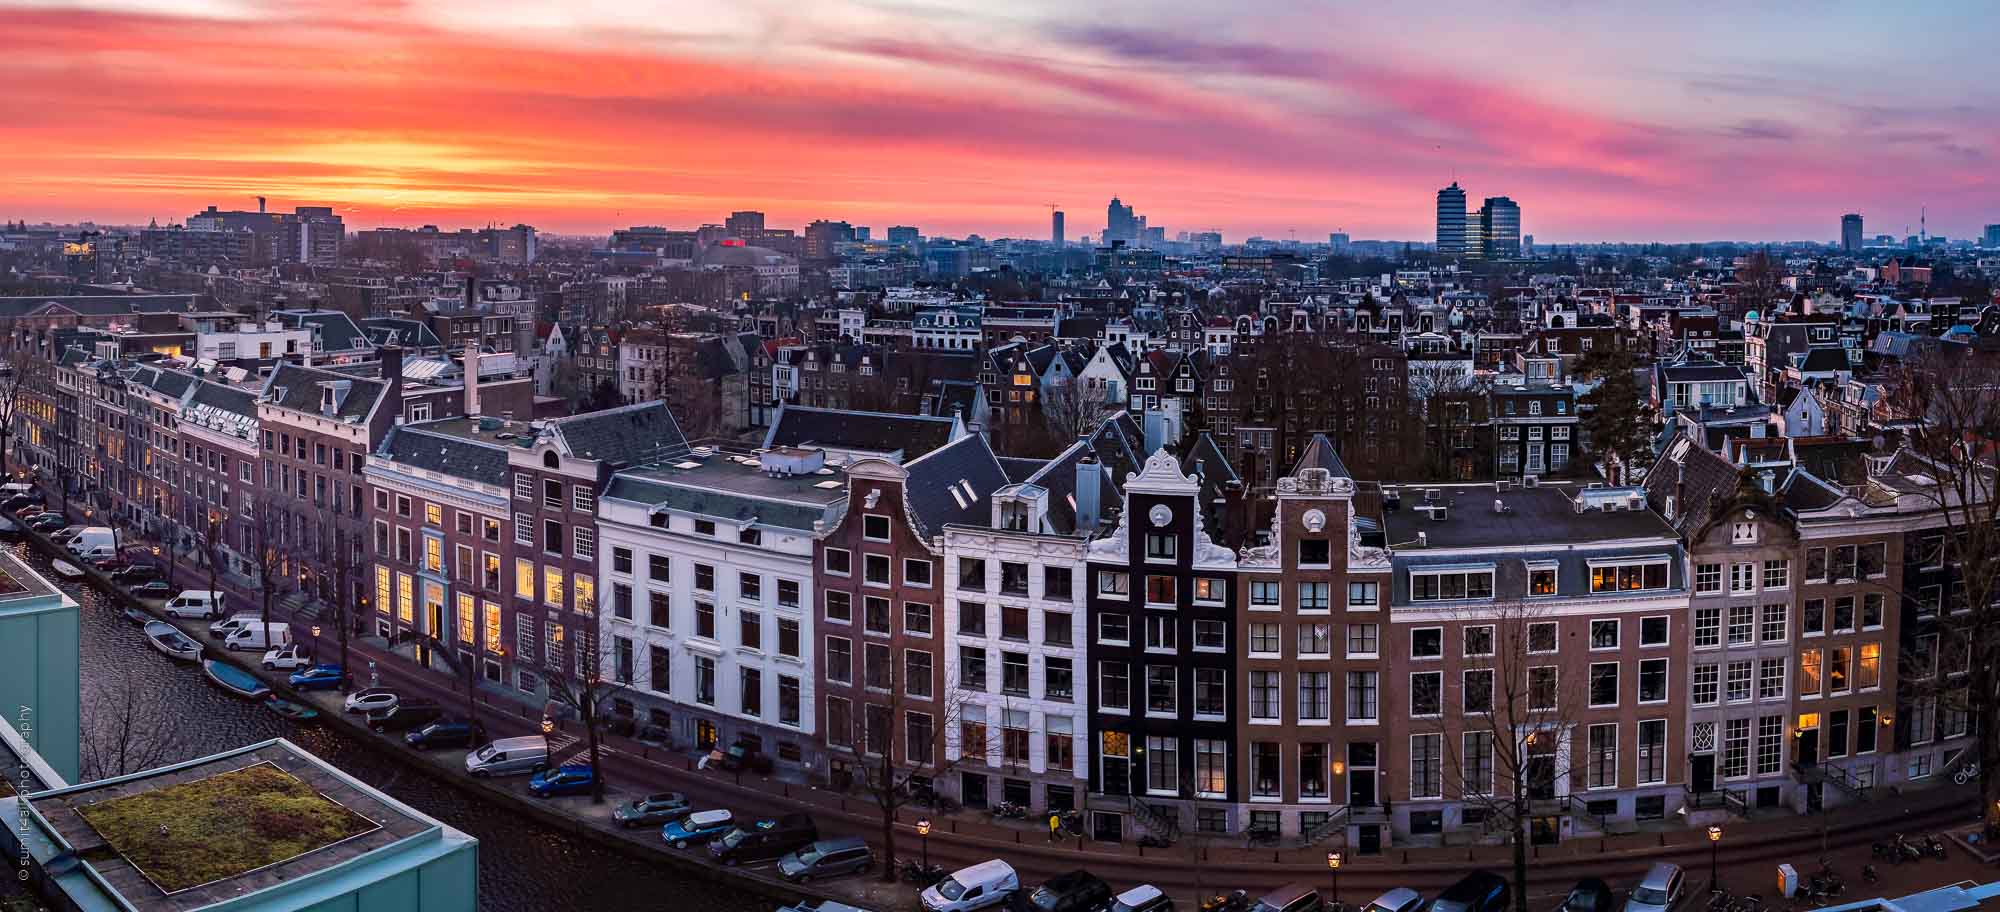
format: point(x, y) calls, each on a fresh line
point(1808, 747)
point(1369, 839)
point(1107, 827)
point(1701, 773)
point(704, 735)
point(1541, 777)
point(1361, 788)
point(1815, 797)
point(1545, 830)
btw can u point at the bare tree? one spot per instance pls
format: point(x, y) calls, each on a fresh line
point(340, 555)
point(20, 378)
point(1074, 408)
point(268, 554)
point(894, 769)
point(1949, 406)
point(1507, 747)
point(578, 684)
point(129, 727)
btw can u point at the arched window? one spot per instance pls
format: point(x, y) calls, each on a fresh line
point(551, 461)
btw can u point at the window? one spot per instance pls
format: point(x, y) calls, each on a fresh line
point(1427, 643)
point(1542, 680)
point(1055, 582)
point(1014, 623)
point(1864, 730)
point(1742, 621)
point(552, 586)
point(1112, 583)
point(1628, 577)
point(1869, 670)
point(1604, 683)
point(1313, 597)
point(1772, 627)
point(917, 572)
point(1871, 611)
point(1601, 762)
point(1362, 640)
point(1604, 634)
point(875, 527)
point(875, 615)
point(1542, 637)
point(704, 577)
point(1843, 614)
point(1436, 586)
point(1162, 765)
point(1653, 631)
point(1162, 689)
point(1816, 565)
point(916, 619)
point(1707, 579)
point(1209, 635)
point(1707, 684)
point(1742, 577)
point(1777, 574)
point(1159, 546)
point(1477, 690)
point(1426, 694)
point(1058, 679)
point(621, 560)
point(1264, 593)
point(1770, 679)
point(1363, 696)
point(1315, 552)
point(1426, 766)
point(788, 637)
point(1735, 748)
point(1809, 672)
point(1838, 660)
point(972, 668)
point(1211, 692)
point(1770, 744)
point(1113, 629)
point(1813, 621)
point(1653, 680)
point(751, 691)
point(1315, 640)
point(917, 673)
point(750, 629)
point(660, 567)
point(1114, 686)
point(1211, 767)
point(1159, 633)
point(704, 620)
point(1652, 766)
point(1160, 590)
point(1707, 627)
point(1264, 640)
point(1542, 581)
point(877, 672)
point(875, 569)
point(839, 561)
point(839, 606)
point(1362, 595)
point(1738, 681)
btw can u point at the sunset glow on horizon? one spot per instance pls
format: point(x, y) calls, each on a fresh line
point(1763, 123)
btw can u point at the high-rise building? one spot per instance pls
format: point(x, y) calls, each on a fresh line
point(1850, 232)
point(746, 224)
point(1119, 223)
point(1337, 240)
point(307, 234)
point(1527, 245)
point(1451, 221)
point(1056, 227)
point(1499, 229)
point(903, 234)
point(1992, 238)
point(823, 237)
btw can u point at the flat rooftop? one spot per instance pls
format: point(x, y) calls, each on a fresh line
point(734, 485)
point(21, 585)
point(148, 838)
point(1542, 515)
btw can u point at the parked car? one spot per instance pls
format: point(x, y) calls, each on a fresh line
point(820, 905)
point(223, 628)
point(1479, 891)
point(48, 523)
point(1589, 895)
point(764, 840)
point(287, 658)
point(988, 883)
point(1075, 891)
point(404, 716)
point(745, 756)
point(371, 699)
point(158, 589)
point(194, 603)
point(447, 732)
point(827, 858)
point(697, 828)
point(110, 565)
point(652, 810)
point(63, 535)
point(318, 677)
point(1663, 887)
point(570, 779)
point(19, 501)
point(509, 757)
point(137, 573)
point(1289, 898)
point(1142, 898)
point(1401, 899)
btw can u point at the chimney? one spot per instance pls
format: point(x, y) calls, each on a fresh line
point(392, 373)
point(260, 204)
point(1089, 484)
point(472, 380)
point(1156, 431)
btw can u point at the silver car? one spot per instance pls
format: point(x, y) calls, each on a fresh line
point(1660, 891)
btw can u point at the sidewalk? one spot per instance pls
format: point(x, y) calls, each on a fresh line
point(1186, 870)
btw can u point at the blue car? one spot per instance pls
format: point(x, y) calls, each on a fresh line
point(697, 828)
point(574, 779)
point(318, 677)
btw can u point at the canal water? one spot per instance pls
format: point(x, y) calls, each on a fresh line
point(523, 867)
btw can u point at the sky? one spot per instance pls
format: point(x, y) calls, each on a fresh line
point(1704, 121)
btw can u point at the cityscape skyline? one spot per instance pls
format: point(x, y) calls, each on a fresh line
point(524, 115)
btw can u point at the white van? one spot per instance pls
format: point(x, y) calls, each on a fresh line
point(259, 637)
point(94, 542)
point(509, 757)
point(195, 603)
point(988, 883)
point(223, 628)
point(15, 487)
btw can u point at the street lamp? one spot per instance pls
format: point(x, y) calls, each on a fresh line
point(924, 838)
point(1714, 843)
point(316, 644)
point(548, 727)
point(1333, 864)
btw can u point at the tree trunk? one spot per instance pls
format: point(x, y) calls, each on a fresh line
point(596, 767)
point(888, 840)
point(1986, 716)
point(1522, 825)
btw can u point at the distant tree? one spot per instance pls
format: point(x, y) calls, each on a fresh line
point(20, 377)
point(1617, 416)
point(578, 683)
point(1074, 408)
point(605, 395)
point(891, 767)
point(269, 555)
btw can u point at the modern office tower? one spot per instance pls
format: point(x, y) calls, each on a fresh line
point(903, 234)
point(1337, 240)
point(1850, 232)
point(1056, 227)
point(1119, 223)
point(1451, 221)
point(1992, 238)
point(1499, 229)
point(747, 224)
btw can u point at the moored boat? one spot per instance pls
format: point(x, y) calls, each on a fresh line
point(169, 639)
point(137, 616)
point(297, 712)
point(234, 679)
point(67, 570)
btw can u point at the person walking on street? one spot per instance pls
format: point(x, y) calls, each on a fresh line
point(1055, 826)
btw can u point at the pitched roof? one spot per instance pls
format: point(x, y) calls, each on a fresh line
point(952, 484)
point(1699, 480)
point(398, 331)
point(412, 445)
point(874, 432)
point(297, 387)
point(335, 330)
point(624, 436)
point(1120, 446)
point(1320, 454)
